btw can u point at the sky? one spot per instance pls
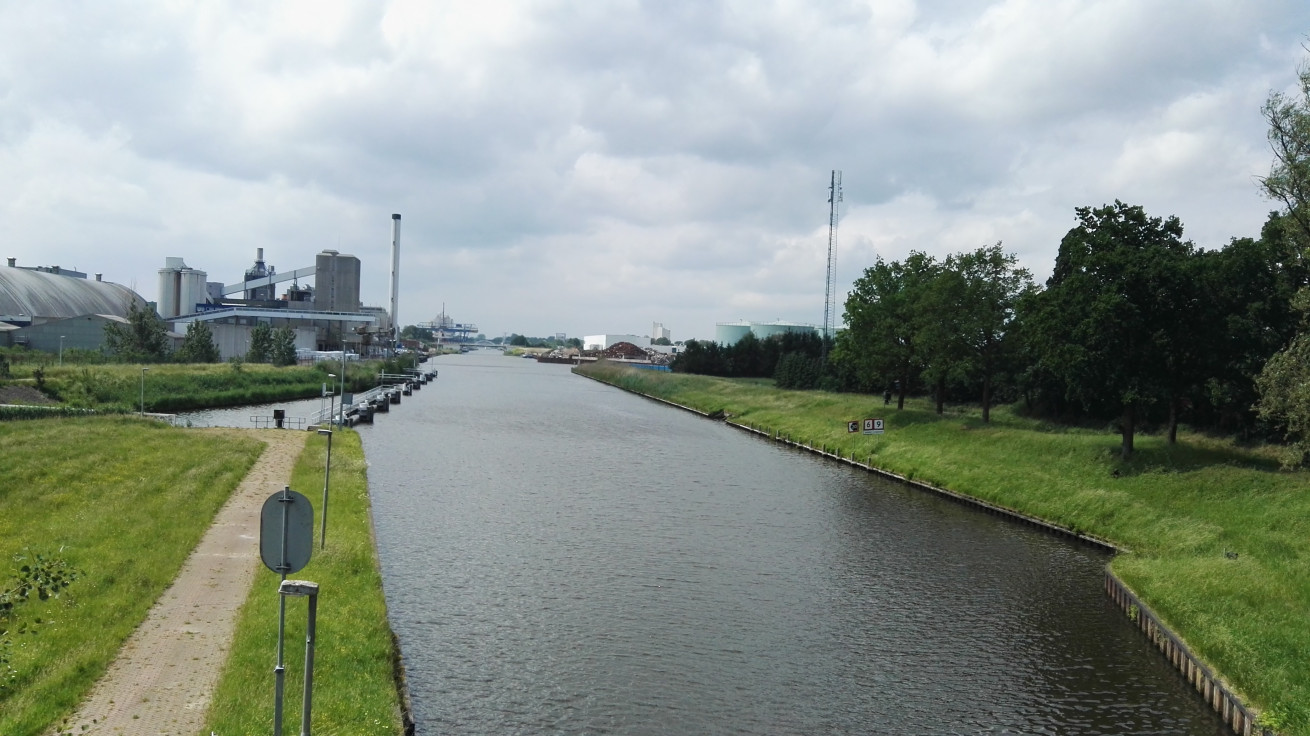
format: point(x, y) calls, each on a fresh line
point(594, 166)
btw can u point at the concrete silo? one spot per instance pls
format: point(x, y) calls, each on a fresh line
point(180, 288)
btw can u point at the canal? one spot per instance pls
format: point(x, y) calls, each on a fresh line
point(560, 556)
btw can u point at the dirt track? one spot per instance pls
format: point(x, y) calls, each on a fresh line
point(164, 677)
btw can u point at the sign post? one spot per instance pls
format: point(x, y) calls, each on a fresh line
point(286, 540)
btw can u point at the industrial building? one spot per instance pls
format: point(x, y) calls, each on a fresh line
point(325, 316)
point(729, 333)
point(51, 308)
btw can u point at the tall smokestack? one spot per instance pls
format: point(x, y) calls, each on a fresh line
point(395, 275)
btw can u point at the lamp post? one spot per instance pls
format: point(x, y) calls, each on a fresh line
point(332, 400)
point(327, 473)
point(61, 350)
point(143, 389)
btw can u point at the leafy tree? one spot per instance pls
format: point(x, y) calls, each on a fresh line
point(880, 344)
point(198, 345)
point(1288, 181)
point(661, 341)
point(1282, 383)
point(1284, 387)
point(1108, 324)
point(572, 342)
point(992, 288)
point(518, 340)
point(283, 351)
point(797, 370)
point(938, 324)
point(261, 344)
point(143, 339)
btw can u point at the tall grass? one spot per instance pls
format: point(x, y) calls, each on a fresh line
point(1218, 536)
point(122, 501)
point(354, 687)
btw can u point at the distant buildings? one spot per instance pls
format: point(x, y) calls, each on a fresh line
point(50, 308)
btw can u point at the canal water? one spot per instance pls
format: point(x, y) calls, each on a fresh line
point(563, 557)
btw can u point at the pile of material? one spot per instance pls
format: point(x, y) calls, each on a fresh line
point(624, 351)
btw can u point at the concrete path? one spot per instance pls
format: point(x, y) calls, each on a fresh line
point(164, 677)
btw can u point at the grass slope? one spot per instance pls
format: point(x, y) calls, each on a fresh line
point(121, 500)
point(1183, 512)
point(354, 687)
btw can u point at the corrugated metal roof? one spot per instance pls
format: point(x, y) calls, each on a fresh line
point(38, 295)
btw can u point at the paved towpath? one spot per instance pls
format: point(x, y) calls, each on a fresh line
point(164, 677)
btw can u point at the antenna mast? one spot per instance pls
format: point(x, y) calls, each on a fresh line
point(830, 295)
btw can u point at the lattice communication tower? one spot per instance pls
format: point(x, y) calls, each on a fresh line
point(830, 295)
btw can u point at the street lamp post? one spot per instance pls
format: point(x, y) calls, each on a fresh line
point(332, 400)
point(143, 389)
point(61, 350)
point(327, 473)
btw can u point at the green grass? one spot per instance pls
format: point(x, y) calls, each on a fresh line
point(121, 500)
point(354, 687)
point(174, 387)
point(1177, 510)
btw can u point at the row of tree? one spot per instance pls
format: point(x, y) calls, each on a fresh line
point(793, 359)
point(1135, 324)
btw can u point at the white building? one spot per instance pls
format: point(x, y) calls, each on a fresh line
point(605, 342)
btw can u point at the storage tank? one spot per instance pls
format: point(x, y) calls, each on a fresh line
point(765, 330)
point(728, 333)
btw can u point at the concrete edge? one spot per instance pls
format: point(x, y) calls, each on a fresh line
point(1231, 709)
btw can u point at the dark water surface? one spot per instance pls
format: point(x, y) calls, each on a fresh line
point(563, 557)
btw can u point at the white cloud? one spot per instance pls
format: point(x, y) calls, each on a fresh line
point(586, 167)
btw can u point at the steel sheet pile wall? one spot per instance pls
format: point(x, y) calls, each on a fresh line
point(1234, 713)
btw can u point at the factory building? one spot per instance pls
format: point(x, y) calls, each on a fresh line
point(39, 305)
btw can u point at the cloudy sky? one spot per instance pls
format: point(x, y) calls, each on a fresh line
point(586, 166)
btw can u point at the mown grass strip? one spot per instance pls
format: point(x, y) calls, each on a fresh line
point(123, 502)
point(354, 687)
point(1218, 534)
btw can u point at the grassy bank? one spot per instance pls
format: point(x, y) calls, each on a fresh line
point(1216, 534)
point(175, 387)
point(119, 503)
point(354, 689)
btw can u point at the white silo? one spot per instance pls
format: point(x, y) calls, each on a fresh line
point(180, 288)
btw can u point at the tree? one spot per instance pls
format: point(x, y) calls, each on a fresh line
point(661, 341)
point(1282, 382)
point(1284, 387)
point(1114, 317)
point(1288, 181)
point(143, 339)
point(198, 345)
point(261, 344)
point(880, 344)
point(992, 290)
point(283, 350)
point(938, 324)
